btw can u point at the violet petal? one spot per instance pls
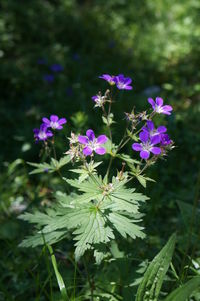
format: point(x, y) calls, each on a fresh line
point(100, 150)
point(102, 139)
point(90, 134)
point(159, 101)
point(144, 154)
point(87, 151)
point(144, 136)
point(156, 150)
point(83, 139)
point(137, 147)
point(54, 118)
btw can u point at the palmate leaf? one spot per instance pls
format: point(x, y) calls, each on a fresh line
point(116, 196)
point(93, 217)
point(85, 170)
point(125, 226)
point(136, 172)
point(93, 230)
point(40, 168)
point(125, 200)
point(53, 166)
point(88, 222)
point(39, 217)
point(127, 159)
point(150, 286)
point(66, 200)
point(90, 228)
point(38, 238)
point(143, 180)
point(93, 184)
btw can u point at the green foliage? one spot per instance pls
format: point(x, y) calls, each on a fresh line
point(127, 159)
point(109, 119)
point(94, 217)
point(136, 172)
point(86, 170)
point(54, 165)
point(150, 286)
point(183, 292)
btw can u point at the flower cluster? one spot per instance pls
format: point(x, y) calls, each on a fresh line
point(152, 140)
point(121, 82)
point(44, 132)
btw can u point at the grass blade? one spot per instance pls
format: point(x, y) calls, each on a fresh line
point(150, 286)
point(184, 292)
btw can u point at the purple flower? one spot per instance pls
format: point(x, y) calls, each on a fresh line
point(152, 131)
point(158, 106)
point(54, 122)
point(56, 68)
point(165, 140)
point(42, 133)
point(123, 83)
point(91, 143)
point(99, 100)
point(108, 78)
point(49, 78)
point(147, 145)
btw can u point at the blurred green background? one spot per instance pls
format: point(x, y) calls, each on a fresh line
point(154, 42)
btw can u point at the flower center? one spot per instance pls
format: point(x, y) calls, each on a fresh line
point(100, 100)
point(153, 132)
point(158, 109)
point(147, 146)
point(93, 144)
point(121, 85)
point(42, 135)
point(54, 124)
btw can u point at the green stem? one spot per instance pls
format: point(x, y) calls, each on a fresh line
point(109, 166)
point(49, 273)
point(59, 278)
point(55, 157)
point(75, 280)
